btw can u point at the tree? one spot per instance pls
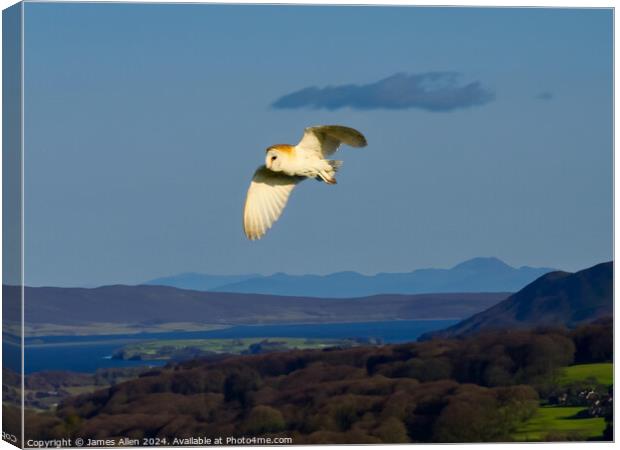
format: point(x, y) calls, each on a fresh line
point(392, 431)
point(594, 342)
point(470, 416)
point(239, 386)
point(264, 419)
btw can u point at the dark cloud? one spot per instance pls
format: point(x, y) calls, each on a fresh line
point(545, 96)
point(431, 91)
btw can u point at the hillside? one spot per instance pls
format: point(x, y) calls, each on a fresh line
point(155, 306)
point(555, 299)
point(475, 275)
point(482, 388)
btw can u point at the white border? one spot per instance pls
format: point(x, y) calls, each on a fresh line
point(479, 3)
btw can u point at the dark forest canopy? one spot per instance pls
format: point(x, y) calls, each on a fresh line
point(480, 388)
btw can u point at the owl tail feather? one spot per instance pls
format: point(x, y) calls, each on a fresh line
point(336, 165)
point(329, 175)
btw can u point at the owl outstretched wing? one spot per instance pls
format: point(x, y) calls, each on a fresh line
point(324, 140)
point(266, 198)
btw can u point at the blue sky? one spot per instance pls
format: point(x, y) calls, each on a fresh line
point(144, 124)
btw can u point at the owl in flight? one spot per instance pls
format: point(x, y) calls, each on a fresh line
point(287, 165)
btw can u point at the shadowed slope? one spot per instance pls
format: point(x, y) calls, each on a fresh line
point(555, 299)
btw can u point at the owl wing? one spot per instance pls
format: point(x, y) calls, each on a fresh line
point(324, 140)
point(267, 196)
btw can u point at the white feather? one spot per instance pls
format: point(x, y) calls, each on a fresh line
point(267, 196)
point(324, 140)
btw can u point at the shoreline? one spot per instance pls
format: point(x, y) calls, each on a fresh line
point(219, 327)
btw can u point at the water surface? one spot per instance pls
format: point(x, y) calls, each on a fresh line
point(88, 353)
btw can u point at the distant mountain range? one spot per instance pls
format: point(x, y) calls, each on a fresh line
point(200, 282)
point(51, 310)
point(555, 299)
point(475, 275)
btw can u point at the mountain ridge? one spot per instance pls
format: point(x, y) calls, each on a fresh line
point(555, 299)
point(139, 306)
point(481, 274)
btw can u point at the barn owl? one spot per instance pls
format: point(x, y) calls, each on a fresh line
point(286, 166)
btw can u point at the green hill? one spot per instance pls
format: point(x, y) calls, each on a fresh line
point(555, 422)
point(603, 373)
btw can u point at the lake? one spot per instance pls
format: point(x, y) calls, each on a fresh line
point(89, 353)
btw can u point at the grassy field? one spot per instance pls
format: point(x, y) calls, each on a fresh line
point(556, 420)
point(559, 419)
point(163, 349)
point(602, 372)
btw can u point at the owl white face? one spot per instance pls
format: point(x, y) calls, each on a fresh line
point(274, 160)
